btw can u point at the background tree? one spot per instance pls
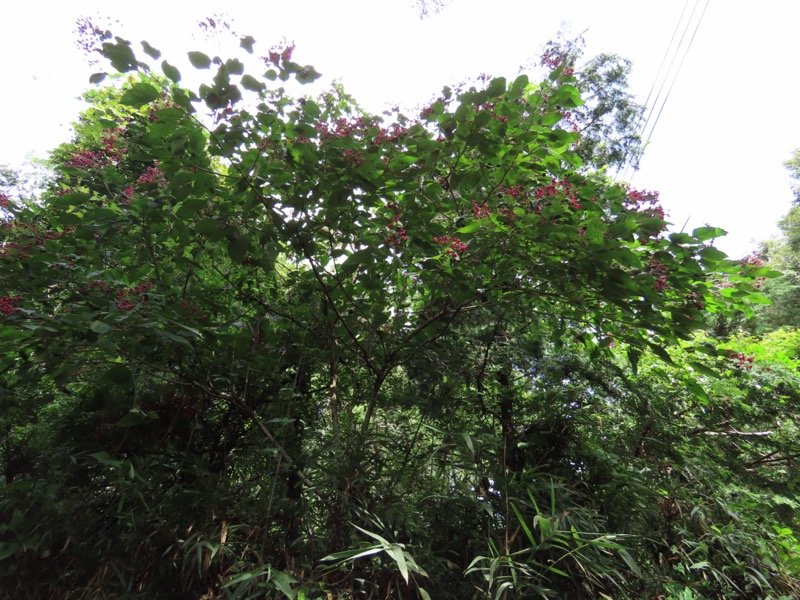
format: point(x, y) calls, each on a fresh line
point(609, 118)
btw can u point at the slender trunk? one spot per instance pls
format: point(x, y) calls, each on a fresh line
point(334, 399)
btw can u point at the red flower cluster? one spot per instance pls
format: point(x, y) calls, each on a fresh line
point(456, 246)
point(696, 298)
point(191, 310)
point(490, 107)
point(276, 53)
point(362, 127)
point(392, 134)
point(152, 175)
point(109, 155)
point(354, 157)
point(5, 202)
point(557, 188)
point(740, 359)
point(127, 299)
point(343, 128)
point(28, 236)
point(660, 271)
point(517, 192)
point(645, 202)
point(752, 260)
point(8, 304)
point(480, 210)
point(125, 303)
point(755, 260)
point(551, 60)
point(398, 235)
point(86, 160)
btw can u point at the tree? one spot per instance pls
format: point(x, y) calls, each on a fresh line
point(609, 117)
point(793, 165)
point(288, 347)
point(783, 254)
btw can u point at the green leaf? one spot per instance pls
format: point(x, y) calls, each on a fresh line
point(251, 83)
point(496, 87)
point(7, 549)
point(703, 369)
point(238, 249)
point(567, 96)
point(630, 562)
point(681, 238)
point(100, 327)
point(271, 74)
point(97, 77)
point(171, 72)
point(396, 552)
point(247, 43)
point(634, 354)
point(105, 458)
point(120, 55)
point(524, 524)
point(661, 353)
point(307, 74)
point(358, 258)
point(139, 95)
point(468, 439)
point(199, 60)
point(697, 390)
point(211, 229)
point(182, 98)
point(707, 233)
point(382, 540)
point(136, 416)
point(234, 66)
point(150, 51)
point(119, 374)
point(712, 255)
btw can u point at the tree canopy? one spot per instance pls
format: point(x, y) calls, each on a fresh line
point(264, 346)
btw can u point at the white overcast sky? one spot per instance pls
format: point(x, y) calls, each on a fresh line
point(716, 155)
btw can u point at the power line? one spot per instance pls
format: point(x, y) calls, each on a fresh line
point(669, 70)
point(664, 59)
point(677, 50)
point(669, 91)
point(656, 79)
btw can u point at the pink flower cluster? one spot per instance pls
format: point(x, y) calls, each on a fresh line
point(398, 235)
point(752, 260)
point(660, 271)
point(557, 188)
point(127, 298)
point(480, 210)
point(740, 359)
point(354, 157)
point(361, 128)
point(109, 155)
point(455, 246)
point(192, 311)
point(276, 54)
point(152, 175)
point(8, 304)
point(28, 236)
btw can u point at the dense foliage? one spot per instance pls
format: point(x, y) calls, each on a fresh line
point(290, 349)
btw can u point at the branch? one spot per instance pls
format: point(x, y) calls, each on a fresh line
point(734, 433)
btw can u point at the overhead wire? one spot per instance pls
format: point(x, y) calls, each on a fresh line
point(656, 79)
point(664, 59)
point(652, 111)
point(680, 65)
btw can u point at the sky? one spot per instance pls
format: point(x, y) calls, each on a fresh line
point(715, 156)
